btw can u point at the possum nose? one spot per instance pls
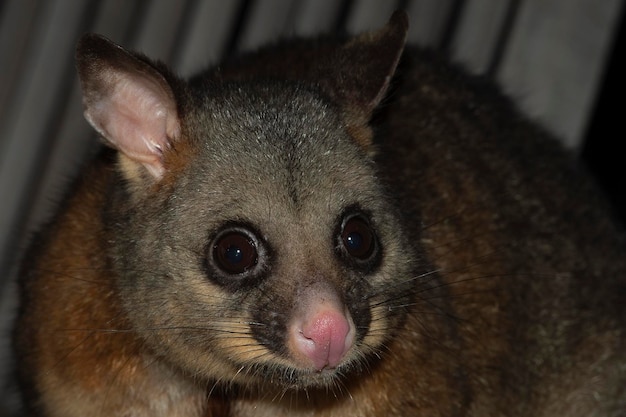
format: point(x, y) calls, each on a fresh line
point(324, 338)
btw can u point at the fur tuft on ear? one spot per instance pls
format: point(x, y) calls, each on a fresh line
point(128, 101)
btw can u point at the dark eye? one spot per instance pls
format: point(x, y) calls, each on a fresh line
point(237, 257)
point(358, 243)
point(357, 238)
point(235, 252)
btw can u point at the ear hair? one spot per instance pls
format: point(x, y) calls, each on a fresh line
point(128, 101)
point(367, 64)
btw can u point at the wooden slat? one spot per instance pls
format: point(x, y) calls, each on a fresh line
point(369, 14)
point(555, 59)
point(158, 29)
point(16, 27)
point(477, 34)
point(428, 18)
point(267, 21)
point(29, 117)
point(118, 20)
point(208, 32)
point(315, 16)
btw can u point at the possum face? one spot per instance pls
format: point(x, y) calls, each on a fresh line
point(250, 238)
point(274, 255)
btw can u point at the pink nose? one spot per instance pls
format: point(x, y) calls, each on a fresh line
point(324, 338)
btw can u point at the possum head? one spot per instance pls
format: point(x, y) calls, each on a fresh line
point(251, 240)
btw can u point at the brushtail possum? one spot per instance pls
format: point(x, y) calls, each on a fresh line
point(328, 227)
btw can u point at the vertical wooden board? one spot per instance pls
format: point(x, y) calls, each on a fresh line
point(9, 402)
point(478, 32)
point(315, 16)
point(428, 20)
point(555, 59)
point(369, 14)
point(208, 33)
point(266, 22)
point(157, 34)
point(48, 64)
point(16, 26)
point(116, 19)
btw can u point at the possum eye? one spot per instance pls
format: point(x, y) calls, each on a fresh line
point(357, 238)
point(357, 242)
point(236, 257)
point(235, 252)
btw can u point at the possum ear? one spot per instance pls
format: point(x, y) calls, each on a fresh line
point(367, 63)
point(360, 75)
point(128, 101)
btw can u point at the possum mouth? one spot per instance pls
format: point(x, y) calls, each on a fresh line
point(291, 378)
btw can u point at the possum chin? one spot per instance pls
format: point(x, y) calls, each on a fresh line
point(298, 379)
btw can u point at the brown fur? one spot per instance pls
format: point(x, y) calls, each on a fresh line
point(501, 285)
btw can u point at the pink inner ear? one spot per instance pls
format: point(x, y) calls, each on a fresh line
point(138, 116)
